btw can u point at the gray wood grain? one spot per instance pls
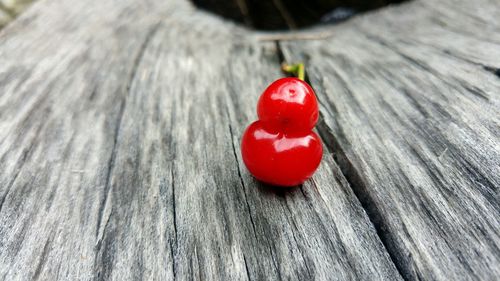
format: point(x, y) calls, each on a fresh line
point(119, 156)
point(411, 108)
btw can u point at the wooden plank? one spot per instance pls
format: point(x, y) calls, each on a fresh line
point(411, 111)
point(119, 147)
point(65, 72)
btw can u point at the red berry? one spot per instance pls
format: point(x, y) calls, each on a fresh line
point(281, 148)
point(289, 104)
point(278, 158)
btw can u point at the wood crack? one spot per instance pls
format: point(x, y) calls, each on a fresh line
point(353, 178)
point(447, 52)
point(246, 268)
point(130, 80)
point(242, 182)
point(111, 165)
point(359, 189)
point(108, 183)
point(172, 175)
point(174, 248)
point(494, 70)
point(241, 179)
point(471, 89)
point(174, 265)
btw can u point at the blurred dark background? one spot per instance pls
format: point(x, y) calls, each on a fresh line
point(289, 14)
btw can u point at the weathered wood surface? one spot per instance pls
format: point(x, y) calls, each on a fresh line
point(412, 114)
point(120, 157)
point(119, 147)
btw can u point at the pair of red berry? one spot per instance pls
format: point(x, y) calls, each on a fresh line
point(281, 148)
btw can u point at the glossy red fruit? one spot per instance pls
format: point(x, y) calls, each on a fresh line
point(281, 148)
point(290, 105)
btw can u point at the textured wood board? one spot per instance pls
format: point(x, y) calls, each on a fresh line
point(119, 147)
point(411, 107)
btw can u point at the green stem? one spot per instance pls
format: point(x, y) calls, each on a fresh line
point(295, 69)
point(301, 72)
